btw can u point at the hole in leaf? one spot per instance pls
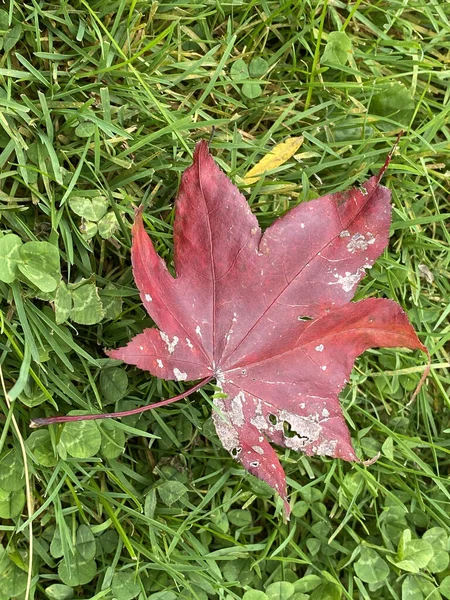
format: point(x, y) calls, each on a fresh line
point(273, 419)
point(287, 430)
point(235, 451)
point(291, 433)
point(305, 318)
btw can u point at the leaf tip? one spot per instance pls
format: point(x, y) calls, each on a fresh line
point(201, 150)
point(114, 354)
point(286, 509)
point(138, 210)
point(138, 219)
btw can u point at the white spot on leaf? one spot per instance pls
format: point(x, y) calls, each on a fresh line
point(359, 242)
point(160, 363)
point(344, 234)
point(306, 429)
point(148, 297)
point(347, 281)
point(319, 348)
point(231, 330)
point(189, 343)
point(226, 432)
point(326, 448)
point(170, 344)
point(198, 331)
point(259, 422)
point(258, 449)
point(237, 411)
point(179, 376)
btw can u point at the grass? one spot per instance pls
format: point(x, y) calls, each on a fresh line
point(106, 100)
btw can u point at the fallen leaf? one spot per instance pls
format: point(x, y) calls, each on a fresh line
point(279, 154)
point(268, 315)
point(426, 274)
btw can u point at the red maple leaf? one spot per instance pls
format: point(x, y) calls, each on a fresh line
point(268, 315)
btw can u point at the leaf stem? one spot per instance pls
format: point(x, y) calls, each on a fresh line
point(389, 157)
point(39, 422)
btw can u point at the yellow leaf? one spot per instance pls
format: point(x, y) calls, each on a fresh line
point(276, 157)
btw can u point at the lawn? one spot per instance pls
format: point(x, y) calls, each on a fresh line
point(101, 104)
